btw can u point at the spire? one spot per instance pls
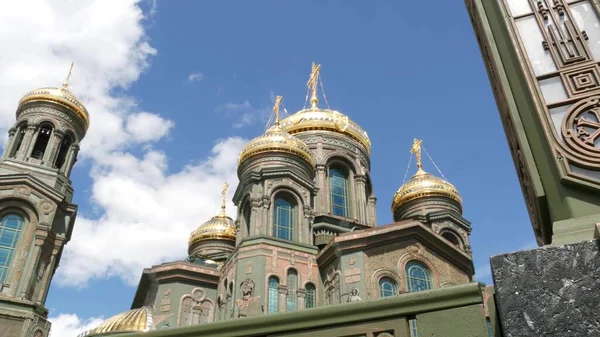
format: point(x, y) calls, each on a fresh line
point(276, 109)
point(224, 199)
point(313, 82)
point(68, 79)
point(416, 149)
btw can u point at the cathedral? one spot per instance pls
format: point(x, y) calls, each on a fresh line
point(303, 243)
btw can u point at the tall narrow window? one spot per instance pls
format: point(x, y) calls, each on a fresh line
point(20, 134)
point(292, 288)
point(273, 297)
point(11, 226)
point(63, 151)
point(41, 142)
point(283, 223)
point(418, 277)
point(247, 212)
point(413, 327)
point(338, 187)
point(387, 287)
point(310, 298)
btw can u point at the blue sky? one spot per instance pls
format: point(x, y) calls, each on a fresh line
point(399, 69)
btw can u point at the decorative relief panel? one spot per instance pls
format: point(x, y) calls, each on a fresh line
point(195, 308)
point(559, 39)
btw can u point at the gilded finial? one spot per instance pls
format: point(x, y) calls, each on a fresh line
point(68, 79)
point(224, 198)
point(416, 149)
point(312, 84)
point(276, 109)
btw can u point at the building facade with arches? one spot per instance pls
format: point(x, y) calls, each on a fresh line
point(305, 236)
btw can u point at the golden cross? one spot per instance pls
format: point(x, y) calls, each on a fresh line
point(66, 84)
point(224, 197)
point(312, 83)
point(276, 109)
point(416, 149)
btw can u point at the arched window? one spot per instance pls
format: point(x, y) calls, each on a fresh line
point(273, 296)
point(453, 238)
point(246, 213)
point(283, 217)
point(11, 226)
point(338, 189)
point(63, 150)
point(387, 287)
point(41, 143)
point(310, 298)
point(292, 290)
point(20, 134)
point(418, 277)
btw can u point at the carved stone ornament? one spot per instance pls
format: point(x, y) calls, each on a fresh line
point(45, 207)
point(23, 191)
point(581, 132)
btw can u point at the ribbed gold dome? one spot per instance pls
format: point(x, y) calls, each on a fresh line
point(314, 119)
point(422, 185)
point(276, 140)
point(139, 319)
point(220, 227)
point(61, 96)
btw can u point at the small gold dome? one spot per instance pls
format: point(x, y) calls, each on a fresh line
point(314, 119)
point(276, 140)
point(422, 185)
point(220, 227)
point(135, 320)
point(61, 96)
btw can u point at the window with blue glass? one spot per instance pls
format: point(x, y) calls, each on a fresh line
point(310, 298)
point(418, 277)
point(292, 290)
point(283, 224)
point(338, 188)
point(413, 328)
point(387, 287)
point(273, 296)
point(11, 227)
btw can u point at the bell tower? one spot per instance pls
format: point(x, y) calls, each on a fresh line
point(36, 210)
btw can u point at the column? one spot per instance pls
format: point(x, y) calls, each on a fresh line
point(361, 198)
point(266, 218)
point(301, 299)
point(372, 211)
point(52, 148)
point(30, 266)
point(71, 159)
point(321, 202)
point(10, 143)
point(29, 138)
point(282, 298)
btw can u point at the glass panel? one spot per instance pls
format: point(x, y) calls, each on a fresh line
point(273, 295)
point(519, 7)
point(417, 277)
point(553, 90)
point(283, 220)
point(557, 115)
point(532, 38)
point(387, 287)
point(310, 296)
point(292, 284)
point(10, 231)
point(413, 328)
point(586, 19)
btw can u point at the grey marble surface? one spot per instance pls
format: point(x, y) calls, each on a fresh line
point(549, 291)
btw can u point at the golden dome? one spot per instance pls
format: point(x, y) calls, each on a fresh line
point(314, 119)
point(135, 320)
point(276, 140)
point(220, 227)
point(422, 185)
point(61, 96)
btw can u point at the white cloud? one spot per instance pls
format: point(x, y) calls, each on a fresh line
point(195, 77)
point(149, 214)
point(147, 127)
point(69, 325)
point(145, 212)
